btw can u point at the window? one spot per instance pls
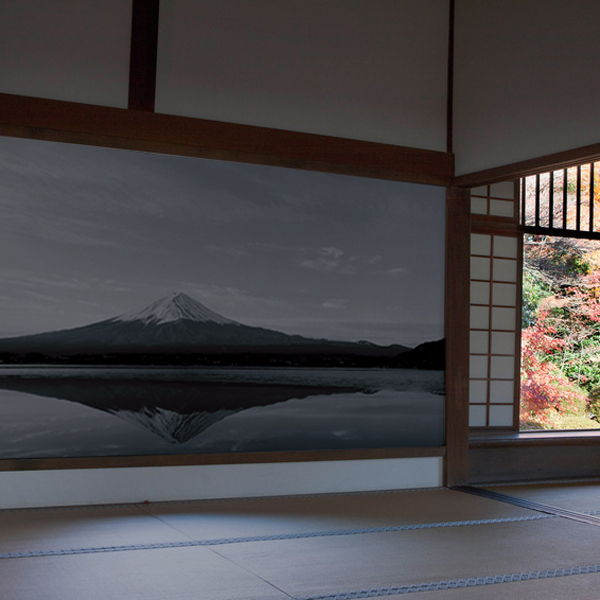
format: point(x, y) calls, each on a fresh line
point(560, 344)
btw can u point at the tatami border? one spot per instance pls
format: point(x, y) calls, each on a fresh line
point(457, 583)
point(266, 538)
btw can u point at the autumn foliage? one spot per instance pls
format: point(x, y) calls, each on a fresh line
point(560, 347)
point(545, 391)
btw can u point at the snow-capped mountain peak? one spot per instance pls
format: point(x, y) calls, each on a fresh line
point(175, 307)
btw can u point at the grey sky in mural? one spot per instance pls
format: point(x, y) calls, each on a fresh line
point(90, 233)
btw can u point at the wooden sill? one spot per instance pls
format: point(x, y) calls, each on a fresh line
point(112, 462)
point(579, 437)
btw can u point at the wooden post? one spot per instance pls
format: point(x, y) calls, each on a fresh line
point(457, 335)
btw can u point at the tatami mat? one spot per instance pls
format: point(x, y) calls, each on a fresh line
point(310, 567)
point(172, 574)
point(29, 530)
point(324, 546)
point(298, 514)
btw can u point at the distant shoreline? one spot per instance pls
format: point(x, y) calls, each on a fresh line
point(217, 360)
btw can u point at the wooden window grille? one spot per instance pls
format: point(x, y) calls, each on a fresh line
point(564, 203)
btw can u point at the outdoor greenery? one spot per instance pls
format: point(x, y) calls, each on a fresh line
point(560, 356)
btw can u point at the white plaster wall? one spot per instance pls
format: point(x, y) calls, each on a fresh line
point(107, 486)
point(526, 80)
point(66, 49)
point(365, 69)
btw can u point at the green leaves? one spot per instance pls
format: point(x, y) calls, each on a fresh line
point(560, 359)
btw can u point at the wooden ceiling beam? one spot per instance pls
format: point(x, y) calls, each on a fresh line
point(54, 120)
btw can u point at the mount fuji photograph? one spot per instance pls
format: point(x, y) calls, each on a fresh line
point(155, 304)
point(178, 325)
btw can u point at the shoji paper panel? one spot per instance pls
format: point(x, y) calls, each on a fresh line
point(494, 327)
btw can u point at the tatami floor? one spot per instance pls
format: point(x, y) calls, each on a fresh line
point(434, 544)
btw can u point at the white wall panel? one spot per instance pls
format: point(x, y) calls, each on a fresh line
point(66, 49)
point(155, 484)
point(364, 69)
point(527, 80)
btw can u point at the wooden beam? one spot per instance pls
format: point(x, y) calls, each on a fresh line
point(158, 460)
point(550, 162)
point(457, 335)
point(143, 54)
point(54, 120)
point(491, 225)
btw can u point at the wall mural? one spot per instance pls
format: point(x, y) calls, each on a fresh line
point(156, 304)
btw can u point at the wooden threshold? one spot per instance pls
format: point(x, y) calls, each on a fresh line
point(548, 509)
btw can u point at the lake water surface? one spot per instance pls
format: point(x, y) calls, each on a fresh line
point(83, 411)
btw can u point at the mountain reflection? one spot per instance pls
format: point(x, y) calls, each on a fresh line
point(175, 411)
